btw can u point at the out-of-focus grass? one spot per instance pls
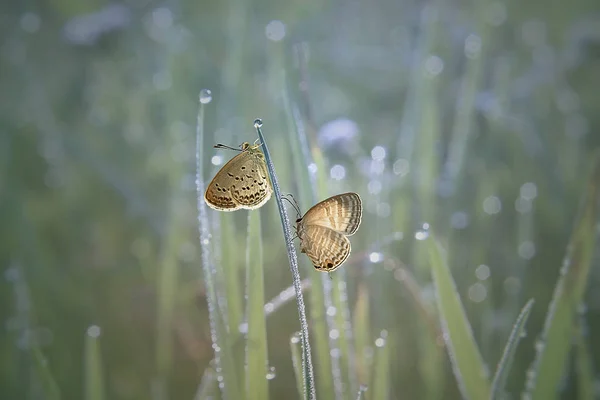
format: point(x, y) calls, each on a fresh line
point(95, 385)
point(479, 121)
point(559, 329)
point(505, 363)
point(256, 347)
point(469, 369)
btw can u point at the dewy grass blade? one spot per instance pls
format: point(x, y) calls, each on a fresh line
point(362, 334)
point(557, 335)
point(318, 299)
point(381, 373)
point(257, 386)
point(583, 362)
point(469, 370)
point(94, 379)
point(510, 349)
point(223, 358)
point(333, 290)
point(307, 367)
point(296, 348)
point(48, 384)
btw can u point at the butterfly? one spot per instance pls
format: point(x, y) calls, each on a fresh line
point(241, 183)
point(324, 229)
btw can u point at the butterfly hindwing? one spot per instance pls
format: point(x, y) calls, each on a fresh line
point(326, 248)
point(241, 183)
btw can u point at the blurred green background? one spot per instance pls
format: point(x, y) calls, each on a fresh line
point(473, 120)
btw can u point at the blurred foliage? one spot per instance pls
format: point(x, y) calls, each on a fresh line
point(475, 120)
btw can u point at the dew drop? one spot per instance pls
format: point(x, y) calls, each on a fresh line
point(271, 373)
point(527, 250)
point(93, 331)
point(216, 160)
point(30, 22)
point(472, 46)
point(375, 257)
point(434, 65)
point(539, 345)
point(384, 210)
point(258, 123)
point(528, 191)
point(477, 292)
point(378, 153)
point(205, 96)
point(422, 233)
point(523, 205)
point(401, 167)
point(331, 311)
point(374, 187)
point(338, 172)
point(482, 272)
point(380, 342)
point(512, 285)
point(295, 339)
point(275, 30)
point(334, 334)
point(243, 328)
point(492, 205)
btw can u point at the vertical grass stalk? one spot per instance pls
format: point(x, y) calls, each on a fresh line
point(510, 349)
point(557, 335)
point(469, 369)
point(223, 361)
point(257, 387)
point(307, 367)
point(94, 379)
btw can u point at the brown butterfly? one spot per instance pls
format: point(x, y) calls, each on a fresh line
point(323, 230)
point(242, 183)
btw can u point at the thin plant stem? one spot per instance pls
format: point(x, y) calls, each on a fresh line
point(307, 367)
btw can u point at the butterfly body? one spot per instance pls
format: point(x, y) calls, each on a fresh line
point(242, 183)
point(324, 229)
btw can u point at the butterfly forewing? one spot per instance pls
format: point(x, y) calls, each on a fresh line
point(326, 248)
point(342, 213)
point(242, 183)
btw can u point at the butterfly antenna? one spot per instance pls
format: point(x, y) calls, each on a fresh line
point(294, 204)
point(223, 146)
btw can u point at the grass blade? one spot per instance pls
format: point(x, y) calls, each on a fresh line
point(223, 357)
point(362, 338)
point(94, 379)
point(296, 348)
point(467, 364)
point(318, 299)
point(256, 346)
point(307, 367)
point(381, 373)
point(553, 349)
point(361, 391)
point(506, 361)
point(585, 370)
point(48, 384)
